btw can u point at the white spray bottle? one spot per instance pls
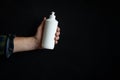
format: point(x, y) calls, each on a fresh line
point(48, 40)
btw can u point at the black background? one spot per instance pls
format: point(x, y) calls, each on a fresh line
point(89, 40)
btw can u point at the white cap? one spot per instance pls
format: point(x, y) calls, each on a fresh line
point(52, 16)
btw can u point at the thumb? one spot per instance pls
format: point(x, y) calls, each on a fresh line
point(41, 26)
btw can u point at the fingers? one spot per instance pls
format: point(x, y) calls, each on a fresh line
point(58, 29)
point(57, 35)
point(58, 32)
point(57, 38)
point(56, 42)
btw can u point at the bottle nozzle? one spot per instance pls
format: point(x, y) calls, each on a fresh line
point(52, 16)
point(53, 13)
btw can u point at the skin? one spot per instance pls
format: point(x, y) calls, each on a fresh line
point(33, 42)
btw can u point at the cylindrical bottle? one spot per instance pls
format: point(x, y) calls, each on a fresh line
point(48, 41)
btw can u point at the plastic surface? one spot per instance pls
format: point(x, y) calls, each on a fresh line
point(50, 27)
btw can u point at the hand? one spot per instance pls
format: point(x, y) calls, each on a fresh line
point(57, 35)
point(33, 42)
point(39, 34)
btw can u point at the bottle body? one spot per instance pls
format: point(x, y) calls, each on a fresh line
point(48, 40)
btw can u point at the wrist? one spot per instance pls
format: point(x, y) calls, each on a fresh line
point(36, 43)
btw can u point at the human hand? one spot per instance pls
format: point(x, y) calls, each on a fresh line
point(39, 34)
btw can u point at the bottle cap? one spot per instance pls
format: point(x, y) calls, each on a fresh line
point(52, 16)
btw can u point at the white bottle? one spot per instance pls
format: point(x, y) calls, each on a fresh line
point(48, 40)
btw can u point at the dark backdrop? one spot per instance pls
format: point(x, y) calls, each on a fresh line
point(89, 35)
